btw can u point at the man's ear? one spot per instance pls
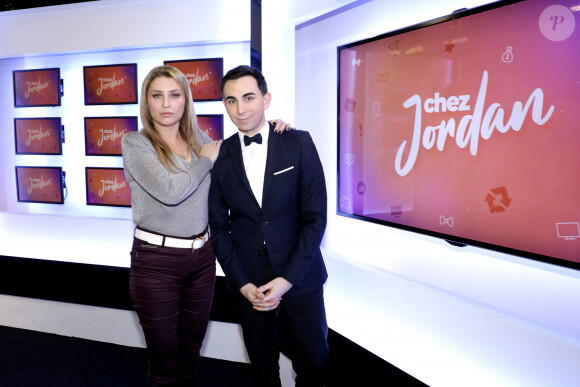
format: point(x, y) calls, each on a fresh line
point(267, 98)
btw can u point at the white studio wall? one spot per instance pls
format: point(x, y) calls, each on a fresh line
point(122, 24)
point(449, 316)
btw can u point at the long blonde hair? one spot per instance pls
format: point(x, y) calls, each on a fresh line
point(188, 124)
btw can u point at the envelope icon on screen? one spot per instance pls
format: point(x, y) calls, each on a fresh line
point(448, 221)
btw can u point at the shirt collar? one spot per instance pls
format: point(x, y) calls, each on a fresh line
point(265, 131)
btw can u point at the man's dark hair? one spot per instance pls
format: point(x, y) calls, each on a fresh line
point(242, 71)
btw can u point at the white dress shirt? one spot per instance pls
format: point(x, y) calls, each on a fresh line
point(255, 156)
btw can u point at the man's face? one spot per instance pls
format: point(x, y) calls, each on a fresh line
point(245, 104)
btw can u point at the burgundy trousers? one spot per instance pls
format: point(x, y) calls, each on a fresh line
point(172, 291)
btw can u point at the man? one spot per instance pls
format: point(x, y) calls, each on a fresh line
point(267, 217)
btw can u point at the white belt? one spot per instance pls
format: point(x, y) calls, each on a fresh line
point(162, 240)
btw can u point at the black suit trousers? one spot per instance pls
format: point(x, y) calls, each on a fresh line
point(297, 327)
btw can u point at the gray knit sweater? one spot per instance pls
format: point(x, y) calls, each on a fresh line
point(165, 202)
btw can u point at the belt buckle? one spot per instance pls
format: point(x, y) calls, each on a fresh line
point(198, 242)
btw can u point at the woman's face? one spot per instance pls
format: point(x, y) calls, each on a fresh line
point(166, 102)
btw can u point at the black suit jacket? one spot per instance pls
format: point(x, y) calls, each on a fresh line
point(291, 221)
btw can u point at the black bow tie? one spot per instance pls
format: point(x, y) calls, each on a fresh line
point(257, 139)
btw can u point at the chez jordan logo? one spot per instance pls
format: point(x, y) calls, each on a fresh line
point(498, 200)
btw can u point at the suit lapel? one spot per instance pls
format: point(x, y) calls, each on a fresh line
point(235, 152)
point(273, 153)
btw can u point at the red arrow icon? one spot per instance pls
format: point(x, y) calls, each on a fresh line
point(504, 200)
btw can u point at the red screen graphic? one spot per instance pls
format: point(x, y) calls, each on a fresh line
point(38, 136)
point(39, 184)
point(103, 134)
point(204, 77)
point(466, 128)
point(212, 125)
point(110, 84)
point(107, 187)
point(37, 87)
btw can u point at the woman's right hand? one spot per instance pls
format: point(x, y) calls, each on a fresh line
point(211, 150)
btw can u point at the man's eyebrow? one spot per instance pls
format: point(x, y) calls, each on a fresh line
point(250, 94)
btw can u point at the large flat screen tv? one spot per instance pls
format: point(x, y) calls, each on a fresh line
point(467, 128)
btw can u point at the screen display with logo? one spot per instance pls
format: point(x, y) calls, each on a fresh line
point(204, 77)
point(42, 136)
point(212, 125)
point(110, 84)
point(107, 187)
point(103, 134)
point(40, 184)
point(467, 128)
point(39, 87)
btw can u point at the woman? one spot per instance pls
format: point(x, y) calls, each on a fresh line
point(172, 272)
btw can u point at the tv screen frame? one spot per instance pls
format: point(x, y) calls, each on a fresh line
point(94, 84)
point(44, 83)
point(205, 86)
point(98, 193)
point(24, 137)
point(106, 140)
point(39, 183)
point(212, 125)
point(498, 197)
